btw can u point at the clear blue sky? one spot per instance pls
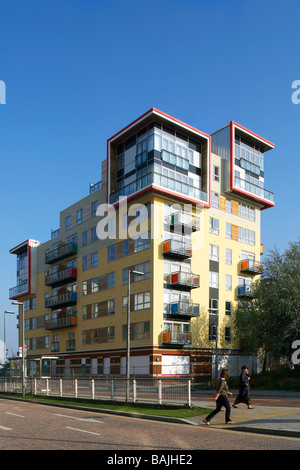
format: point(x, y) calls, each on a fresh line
point(76, 71)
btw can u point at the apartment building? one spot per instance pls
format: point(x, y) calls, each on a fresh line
point(177, 205)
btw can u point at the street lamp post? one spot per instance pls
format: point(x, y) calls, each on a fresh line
point(139, 273)
point(23, 348)
point(5, 311)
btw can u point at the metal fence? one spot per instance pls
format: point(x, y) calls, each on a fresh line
point(173, 391)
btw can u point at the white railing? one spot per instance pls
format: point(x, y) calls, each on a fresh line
point(176, 391)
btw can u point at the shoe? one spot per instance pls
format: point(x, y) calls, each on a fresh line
point(249, 407)
point(206, 422)
point(234, 406)
point(229, 422)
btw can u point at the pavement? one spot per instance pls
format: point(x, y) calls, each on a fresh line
point(272, 420)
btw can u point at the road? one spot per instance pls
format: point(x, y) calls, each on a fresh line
point(30, 426)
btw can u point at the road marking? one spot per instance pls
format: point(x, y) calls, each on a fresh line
point(14, 414)
point(83, 430)
point(86, 420)
point(5, 429)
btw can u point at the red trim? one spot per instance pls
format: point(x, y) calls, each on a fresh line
point(266, 202)
point(253, 134)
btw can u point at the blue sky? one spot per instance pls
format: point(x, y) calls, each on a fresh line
point(77, 71)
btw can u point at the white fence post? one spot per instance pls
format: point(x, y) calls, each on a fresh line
point(189, 384)
point(112, 389)
point(76, 388)
point(47, 386)
point(134, 390)
point(60, 387)
point(159, 392)
point(93, 389)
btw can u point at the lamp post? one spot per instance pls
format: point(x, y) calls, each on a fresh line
point(139, 273)
point(4, 360)
point(23, 348)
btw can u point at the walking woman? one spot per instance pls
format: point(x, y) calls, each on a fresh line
point(244, 389)
point(221, 399)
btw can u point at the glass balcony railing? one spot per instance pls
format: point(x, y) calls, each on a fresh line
point(251, 266)
point(164, 177)
point(256, 190)
point(61, 252)
point(177, 249)
point(64, 322)
point(61, 277)
point(184, 280)
point(183, 222)
point(18, 290)
point(184, 308)
point(177, 337)
point(61, 300)
point(245, 291)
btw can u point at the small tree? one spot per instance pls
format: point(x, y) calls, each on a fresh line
point(271, 321)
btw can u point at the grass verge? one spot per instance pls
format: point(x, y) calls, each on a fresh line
point(171, 411)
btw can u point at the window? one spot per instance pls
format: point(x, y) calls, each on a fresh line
point(216, 174)
point(228, 282)
point(144, 268)
point(84, 238)
point(215, 199)
point(84, 312)
point(84, 263)
point(68, 224)
point(141, 330)
point(214, 225)
point(227, 334)
point(214, 252)
point(94, 236)
point(94, 208)
point(213, 306)
point(110, 333)
point(247, 212)
point(111, 253)
point(124, 304)
point(124, 332)
point(94, 259)
point(84, 287)
point(228, 230)
point(125, 246)
point(228, 259)
point(214, 279)
point(94, 287)
point(111, 307)
point(141, 243)
point(228, 205)
point(212, 328)
point(79, 217)
point(125, 276)
point(94, 335)
point(94, 312)
point(110, 280)
point(142, 301)
point(227, 307)
point(246, 236)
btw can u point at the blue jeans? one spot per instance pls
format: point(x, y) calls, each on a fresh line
point(221, 401)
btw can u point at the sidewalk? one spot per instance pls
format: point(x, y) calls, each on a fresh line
point(281, 421)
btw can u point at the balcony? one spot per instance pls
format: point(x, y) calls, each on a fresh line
point(183, 223)
point(22, 288)
point(250, 266)
point(177, 249)
point(245, 291)
point(61, 300)
point(183, 280)
point(61, 252)
point(257, 191)
point(184, 308)
point(177, 337)
point(61, 277)
point(64, 322)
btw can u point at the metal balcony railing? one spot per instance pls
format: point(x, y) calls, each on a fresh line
point(61, 252)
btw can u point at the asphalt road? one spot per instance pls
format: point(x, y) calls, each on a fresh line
point(30, 426)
